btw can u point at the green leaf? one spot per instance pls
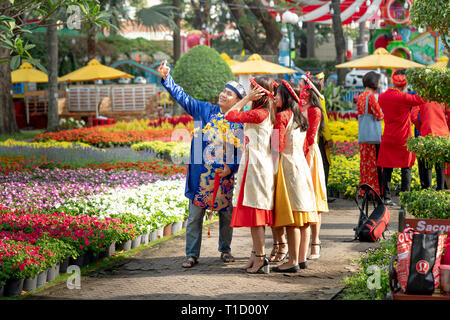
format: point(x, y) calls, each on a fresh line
point(15, 62)
point(37, 64)
point(29, 46)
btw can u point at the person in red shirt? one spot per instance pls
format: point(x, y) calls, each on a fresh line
point(429, 119)
point(396, 106)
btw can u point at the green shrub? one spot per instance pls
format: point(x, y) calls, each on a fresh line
point(202, 73)
point(361, 286)
point(432, 149)
point(430, 84)
point(333, 98)
point(427, 203)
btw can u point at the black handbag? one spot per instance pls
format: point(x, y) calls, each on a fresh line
point(423, 257)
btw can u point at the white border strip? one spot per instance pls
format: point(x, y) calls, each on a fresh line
point(348, 12)
point(370, 11)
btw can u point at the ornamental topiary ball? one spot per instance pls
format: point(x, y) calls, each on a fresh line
point(202, 73)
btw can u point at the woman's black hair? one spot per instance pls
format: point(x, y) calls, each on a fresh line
point(289, 103)
point(371, 80)
point(314, 100)
point(264, 102)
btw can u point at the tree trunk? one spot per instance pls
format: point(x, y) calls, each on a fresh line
point(52, 57)
point(201, 17)
point(339, 39)
point(91, 42)
point(310, 40)
point(272, 31)
point(7, 114)
point(176, 33)
point(303, 44)
point(248, 32)
point(360, 40)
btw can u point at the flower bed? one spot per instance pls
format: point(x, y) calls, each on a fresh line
point(344, 131)
point(106, 160)
point(45, 188)
point(167, 150)
point(344, 175)
point(110, 136)
point(345, 115)
point(348, 149)
point(147, 207)
point(47, 144)
point(33, 242)
point(361, 286)
point(175, 121)
point(156, 166)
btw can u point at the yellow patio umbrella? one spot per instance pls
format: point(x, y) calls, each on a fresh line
point(26, 73)
point(256, 65)
point(229, 61)
point(380, 59)
point(94, 71)
point(440, 64)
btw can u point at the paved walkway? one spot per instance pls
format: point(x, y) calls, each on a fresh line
point(156, 274)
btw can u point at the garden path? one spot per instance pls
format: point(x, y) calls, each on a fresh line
point(156, 273)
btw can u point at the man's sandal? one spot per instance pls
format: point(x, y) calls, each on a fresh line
point(226, 257)
point(188, 263)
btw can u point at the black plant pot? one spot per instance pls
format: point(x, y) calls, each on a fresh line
point(53, 272)
point(64, 265)
point(13, 287)
point(136, 242)
point(30, 284)
point(125, 246)
point(1, 290)
point(94, 257)
point(41, 279)
point(79, 261)
point(111, 249)
point(87, 259)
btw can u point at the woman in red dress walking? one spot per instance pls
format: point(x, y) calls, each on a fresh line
point(369, 173)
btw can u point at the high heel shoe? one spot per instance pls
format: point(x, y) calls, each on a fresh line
point(250, 263)
point(278, 256)
point(317, 255)
point(303, 265)
point(264, 268)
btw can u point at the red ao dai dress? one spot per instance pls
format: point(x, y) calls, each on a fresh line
point(253, 206)
point(294, 196)
point(314, 158)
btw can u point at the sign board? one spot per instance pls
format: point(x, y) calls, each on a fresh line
point(429, 225)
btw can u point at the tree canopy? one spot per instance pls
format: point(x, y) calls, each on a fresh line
point(202, 73)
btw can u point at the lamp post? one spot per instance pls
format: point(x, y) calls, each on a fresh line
point(290, 19)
